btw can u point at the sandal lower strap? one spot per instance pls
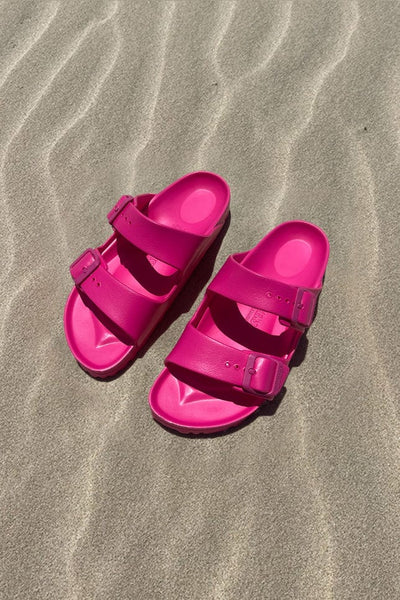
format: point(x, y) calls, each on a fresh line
point(258, 374)
point(128, 310)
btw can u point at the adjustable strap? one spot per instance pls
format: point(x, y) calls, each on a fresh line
point(258, 374)
point(127, 309)
point(172, 246)
point(238, 283)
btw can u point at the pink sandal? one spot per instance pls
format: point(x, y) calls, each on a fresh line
point(235, 351)
point(123, 288)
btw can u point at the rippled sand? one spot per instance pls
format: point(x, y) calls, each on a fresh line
point(296, 104)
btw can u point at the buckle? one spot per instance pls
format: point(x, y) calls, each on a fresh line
point(120, 205)
point(272, 380)
point(299, 305)
point(84, 265)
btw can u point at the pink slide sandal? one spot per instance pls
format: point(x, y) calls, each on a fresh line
point(234, 353)
point(124, 287)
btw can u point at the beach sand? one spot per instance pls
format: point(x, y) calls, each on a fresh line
point(296, 104)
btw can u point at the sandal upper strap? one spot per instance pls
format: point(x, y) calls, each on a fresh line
point(290, 302)
point(255, 373)
point(175, 247)
point(114, 299)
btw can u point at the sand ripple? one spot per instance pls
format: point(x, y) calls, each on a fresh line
point(295, 103)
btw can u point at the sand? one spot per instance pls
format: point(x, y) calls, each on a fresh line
point(296, 104)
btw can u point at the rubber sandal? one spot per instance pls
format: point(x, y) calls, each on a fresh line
point(234, 353)
point(124, 287)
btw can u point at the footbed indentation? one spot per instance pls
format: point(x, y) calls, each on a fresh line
point(198, 206)
point(292, 257)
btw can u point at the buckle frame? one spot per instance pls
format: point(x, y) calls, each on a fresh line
point(298, 306)
point(87, 269)
point(118, 207)
point(249, 371)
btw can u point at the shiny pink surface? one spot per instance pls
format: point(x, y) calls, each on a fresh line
point(293, 255)
point(196, 207)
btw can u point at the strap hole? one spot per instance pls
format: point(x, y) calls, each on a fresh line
point(227, 364)
point(236, 366)
point(279, 298)
point(300, 306)
point(269, 294)
point(287, 301)
point(93, 278)
point(98, 284)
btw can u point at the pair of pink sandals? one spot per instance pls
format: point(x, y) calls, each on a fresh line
point(234, 353)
